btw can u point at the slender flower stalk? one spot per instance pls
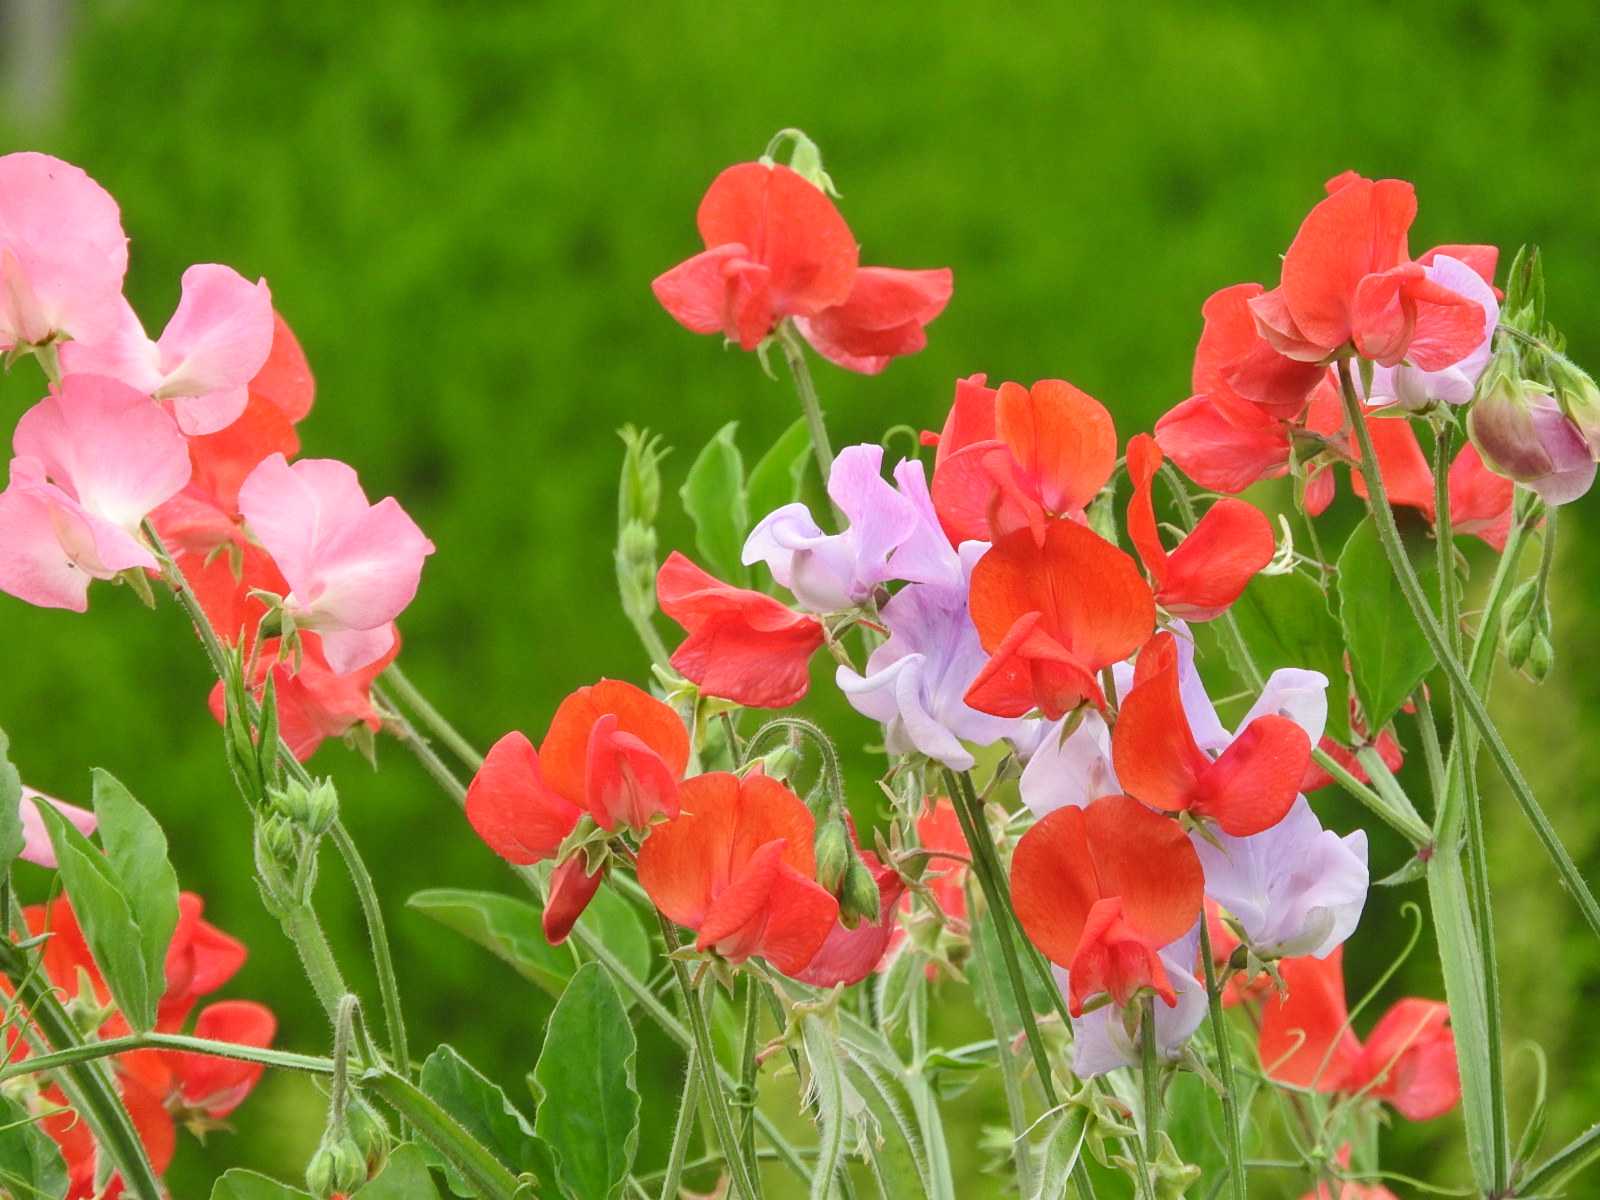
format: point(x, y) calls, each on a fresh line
point(1233, 1141)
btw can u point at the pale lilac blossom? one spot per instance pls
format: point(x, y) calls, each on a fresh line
point(1100, 1040)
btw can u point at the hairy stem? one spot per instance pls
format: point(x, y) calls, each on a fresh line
point(1233, 1141)
point(431, 717)
point(794, 355)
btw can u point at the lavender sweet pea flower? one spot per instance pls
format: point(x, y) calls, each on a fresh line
point(1100, 1041)
point(1412, 388)
point(892, 534)
point(36, 847)
point(1294, 889)
point(915, 683)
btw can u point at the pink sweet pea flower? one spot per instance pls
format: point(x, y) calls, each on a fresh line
point(218, 338)
point(92, 460)
point(351, 566)
point(62, 253)
point(883, 318)
point(36, 846)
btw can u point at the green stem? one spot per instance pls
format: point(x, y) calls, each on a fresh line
point(88, 1051)
point(1232, 1139)
point(88, 1084)
point(438, 770)
point(795, 355)
point(1478, 714)
point(388, 983)
point(747, 1068)
point(488, 1175)
point(431, 716)
point(1150, 1073)
point(716, 1101)
point(683, 1129)
point(305, 931)
point(1010, 1077)
point(986, 864)
point(1574, 1156)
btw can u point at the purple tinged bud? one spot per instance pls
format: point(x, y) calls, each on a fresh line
point(1522, 433)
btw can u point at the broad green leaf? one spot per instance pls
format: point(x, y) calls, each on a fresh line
point(30, 1164)
point(616, 923)
point(1194, 1122)
point(1469, 1017)
point(588, 1104)
point(1388, 654)
point(239, 1184)
point(10, 808)
point(506, 927)
point(107, 921)
point(779, 477)
point(483, 1111)
point(404, 1177)
point(713, 496)
point(137, 851)
point(1285, 621)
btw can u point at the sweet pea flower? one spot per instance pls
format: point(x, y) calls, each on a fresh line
point(1246, 789)
point(1408, 1060)
point(776, 247)
point(1348, 281)
point(217, 340)
point(1413, 388)
point(1480, 500)
point(215, 1086)
point(882, 319)
point(1047, 632)
point(1523, 434)
point(1349, 1189)
point(1211, 567)
point(63, 254)
point(1294, 889)
point(1044, 452)
point(847, 956)
point(738, 867)
point(1100, 890)
point(351, 566)
point(1100, 1039)
point(36, 845)
point(92, 460)
point(916, 682)
point(892, 534)
point(742, 646)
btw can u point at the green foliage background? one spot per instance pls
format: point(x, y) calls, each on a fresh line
point(460, 206)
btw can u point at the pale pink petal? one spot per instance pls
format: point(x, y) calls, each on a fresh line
point(36, 847)
point(217, 340)
point(370, 568)
point(62, 251)
point(33, 566)
point(348, 650)
point(123, 351)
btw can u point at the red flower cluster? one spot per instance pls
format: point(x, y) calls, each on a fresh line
point(161, 1088)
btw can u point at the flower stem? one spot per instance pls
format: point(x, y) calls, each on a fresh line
point(1232, 1140)
point(489, 1177)
point(107, 1047)
point(794, 355)
point(1151, 1075)
point(1477, 713)
point(683, 1129)
point(431, 717)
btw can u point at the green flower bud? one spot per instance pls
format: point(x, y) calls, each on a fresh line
point(337, 1167)
point(1579, 399)
point(1519, 644)
point(858, 899)
point(313, 808)
point(1541, 657)
point(1519, 608)
point(834, 855)
point(369, 1132)
point(280, 839)
point(639, 491)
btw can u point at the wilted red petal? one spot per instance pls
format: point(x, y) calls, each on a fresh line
point(1304, 1040)
point(513, 809)
point(1062, 439)
point(1250, 787)
point(571, 889)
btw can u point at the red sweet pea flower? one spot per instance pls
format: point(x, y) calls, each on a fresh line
point(1051, 614)
point(1235, 362)
point(776, 247)
point(1099, 890)
point(1480, 500)
point(1409, 1059)
point(738, 867)
point(1387, 746)
point(1052, 449)
point(217, 1086)
point(1348, 280)
point(882, 318)
point(940, 829)
point(1246, 790)
point(742, 646)
point(847, 955)
point(1210, 567)
point(200, 959)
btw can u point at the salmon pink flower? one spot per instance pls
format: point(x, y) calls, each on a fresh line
point(1051, 451)
point(1051, 614)
point(36, 845)
point(63, 254)
point(216, 1086)
point(351, 566)
point(1100, 1038)
point(1213, 564)
point(92, 460)
point(1100, 890)
point(1480, 500)
point(737, 866)
point(1348, 281)
point(1408, 1060)
point(776, 247)
point(882, 319)
point(742, 646)
point(1413, 388)
point(847, 956)
point(218, 338)
point(1246, 789)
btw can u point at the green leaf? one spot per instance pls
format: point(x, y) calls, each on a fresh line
point(482, 1109)
point(508, 928)
point(137, 851)
point(1285, 621)
point(588, 1104)
point(1062, 1146)
point(893, 1148)
point(616, 922)
point(238, 1184)
point(30, 1164)
point(404, 1177)
point(10, 807)
point(779, 477)
point(713, 496)
point(1388, 653)
point(986, 956)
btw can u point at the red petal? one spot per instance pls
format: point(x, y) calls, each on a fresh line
point(1481, 259)
point(1224, 445)
point(800, 915)
point(695, 292)
point(848, 956)
point(882, 319)
point(1155, 754)
point(628, 783)
point(1112, 959)
point(1304, 1040)
point(1029, 669)
point(1254, 783)
point(219, 1085)
point(285, 379)
point(1407, 477)
point(734, 920)
point(1148, 862)
point(513, 809)
point(1062, 439)
point(1212, 566)
point(971, 417)
point(1411, 1053)
point(1402, 315)
point(564, 753)
point(1053, 883)
point(1144, 459)
point(1480, 500)
point(571, 889)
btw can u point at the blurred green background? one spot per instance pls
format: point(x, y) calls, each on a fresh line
point(460, 207)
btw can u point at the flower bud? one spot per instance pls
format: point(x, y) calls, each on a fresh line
point(313, 808)
point(369, 1132)
point(858, 899)
point(338, 1167)
point(1522, 433)
point(1519, 608)
point(834, 855)
point(1541, 657)
point(1579, 399)
point(280, 840)
point(639, 491)
point(1519, 644)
